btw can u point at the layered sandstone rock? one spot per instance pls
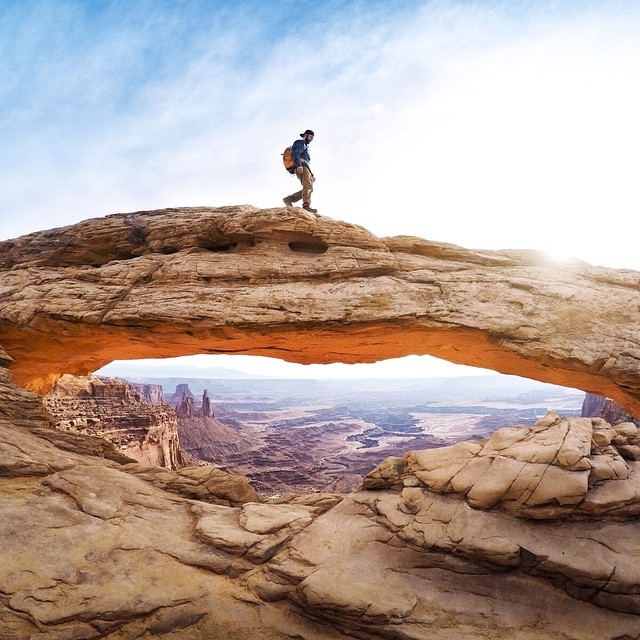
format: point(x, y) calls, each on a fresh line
point(421, 565)
point(125, 557)
point(280, 282)
point(134, 551)
point(573, 469)
point(152, 393)
point(532, 534)
point(119, 412)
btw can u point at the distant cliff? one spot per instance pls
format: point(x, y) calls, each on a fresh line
point(152, 393)
point(120, 412)
point(599, 407)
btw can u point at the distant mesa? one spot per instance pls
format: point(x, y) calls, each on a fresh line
point(123, 287)
point(182, 390)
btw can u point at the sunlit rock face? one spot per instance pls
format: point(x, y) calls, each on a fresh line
point(119, 412)
point(98, 546)
point(152, 393)
point(569, 469)
point(280, 282)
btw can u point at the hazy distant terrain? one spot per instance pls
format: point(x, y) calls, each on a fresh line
point(327, 434)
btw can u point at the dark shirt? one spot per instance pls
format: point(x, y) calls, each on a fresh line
point(301, 156)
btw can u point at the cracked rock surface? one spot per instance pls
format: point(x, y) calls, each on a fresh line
point(97, 546)
point(578, 468)
point(531, 534)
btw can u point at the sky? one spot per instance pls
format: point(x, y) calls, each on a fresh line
point(487, 124)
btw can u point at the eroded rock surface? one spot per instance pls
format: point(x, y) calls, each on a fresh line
point(98, 546)
point(532, 534)
point(282, 283)
point(578, 468)
point(119, 412)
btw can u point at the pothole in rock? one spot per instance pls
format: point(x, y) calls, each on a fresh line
point(312, 245)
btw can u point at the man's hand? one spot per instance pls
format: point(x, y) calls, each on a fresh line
point(299, 170)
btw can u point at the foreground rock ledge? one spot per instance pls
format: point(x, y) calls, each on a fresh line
point(280, 282)
point(97, 546)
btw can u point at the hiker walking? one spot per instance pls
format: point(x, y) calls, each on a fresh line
point(301, 158)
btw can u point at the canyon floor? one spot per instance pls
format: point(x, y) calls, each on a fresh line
point(325, 435)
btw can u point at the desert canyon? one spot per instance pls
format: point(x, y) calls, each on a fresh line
point(532, 532)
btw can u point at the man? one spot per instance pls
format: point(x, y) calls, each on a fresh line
point(301, 157)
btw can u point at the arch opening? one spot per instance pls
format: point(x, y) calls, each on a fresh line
point(306, 429)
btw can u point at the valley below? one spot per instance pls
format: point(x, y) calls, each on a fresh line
point(325, 435)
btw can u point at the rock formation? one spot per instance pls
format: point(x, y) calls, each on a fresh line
point(117, 411)
point(133, 550)
point(186, 407)
point(569, 469)
point(182, 391)
point(183, 401)
point(207, 412)
point(307, 289)
point(152, 393)
point(612, 412)
point(531, 534)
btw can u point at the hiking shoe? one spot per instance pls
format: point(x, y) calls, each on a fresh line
point(287, 201)
point(309, 208)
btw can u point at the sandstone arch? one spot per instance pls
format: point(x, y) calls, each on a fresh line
point(306, 289)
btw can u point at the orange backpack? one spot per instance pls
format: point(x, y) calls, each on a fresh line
point(287, 160)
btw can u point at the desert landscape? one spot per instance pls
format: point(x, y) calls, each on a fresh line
point(391, 393)
point(326, 435)
point(295, 435)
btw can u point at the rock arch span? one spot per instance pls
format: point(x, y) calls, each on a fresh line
point(307, 289)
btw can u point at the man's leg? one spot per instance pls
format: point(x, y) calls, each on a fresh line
point(294, 197)
point(307, 186)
